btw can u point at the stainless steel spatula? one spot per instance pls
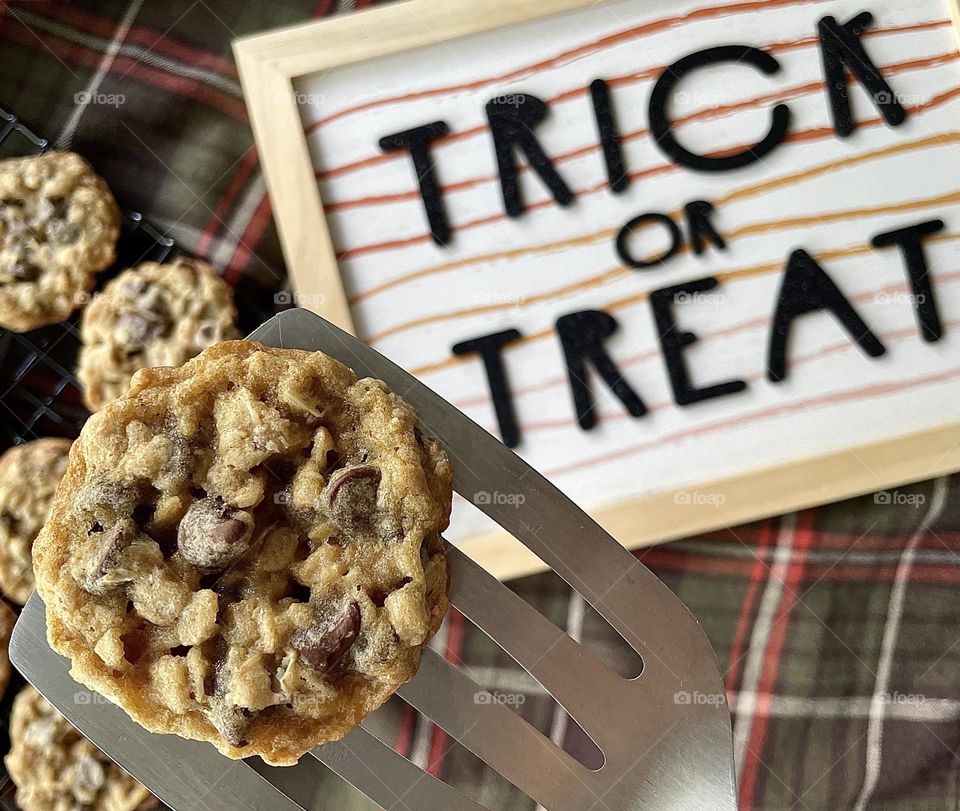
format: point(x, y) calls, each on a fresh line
point(665, 736)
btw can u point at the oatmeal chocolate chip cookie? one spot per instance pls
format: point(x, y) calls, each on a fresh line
point(246, 550)
point(151, 315)
point(59, 226)
point(55, 767)
point(29, 475)
point(7, 620)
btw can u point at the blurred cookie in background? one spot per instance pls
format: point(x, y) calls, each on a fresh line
point(29, 475)
point(59, 226)
point(55, 767)
point(151, 315)
point(7, 620)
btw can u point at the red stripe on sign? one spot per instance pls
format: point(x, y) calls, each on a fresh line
point(652, 27)
point(758, 576)
point(782, 95)
point(832, 398)
point(438, 743)
point(798, 136)
point(803, 538)
point(247, 164)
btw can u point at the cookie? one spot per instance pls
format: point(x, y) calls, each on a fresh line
point(246, 550)
point(7, 620)
point(59, 227)
point(151, 315)
point(55, 767)
point(29, 475)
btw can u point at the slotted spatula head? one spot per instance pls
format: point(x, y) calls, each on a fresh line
point(665, 735)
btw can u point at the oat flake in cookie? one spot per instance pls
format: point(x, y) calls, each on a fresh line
point(56, 769)
point(59, 226)
point(246, 550)
point(151, 315)
point(29, 475)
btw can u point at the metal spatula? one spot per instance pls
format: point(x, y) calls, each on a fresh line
point(665, 736)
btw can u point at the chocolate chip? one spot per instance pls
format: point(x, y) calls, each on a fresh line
point(24, 271)
point(9, 523)
point(323, 647)
point(60, 207)
point(351, 496)
point(213, 535)
point(106, 558)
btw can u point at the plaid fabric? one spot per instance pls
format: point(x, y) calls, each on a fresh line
point(839, 628)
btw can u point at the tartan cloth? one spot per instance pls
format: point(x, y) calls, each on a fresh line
point(838, 628)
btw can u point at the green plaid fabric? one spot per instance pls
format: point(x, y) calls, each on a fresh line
point(839, 628)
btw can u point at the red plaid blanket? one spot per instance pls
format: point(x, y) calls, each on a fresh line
point(839, 628)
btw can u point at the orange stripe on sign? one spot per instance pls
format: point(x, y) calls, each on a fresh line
point(613, 274)
point(453, 361)
point(813, 134)
point(616, 81)
point(757, 377)
point(609, 233)
point(710, 114)
point(835, 398)
point(706, 337)
point(643, 295)
point(564, 57)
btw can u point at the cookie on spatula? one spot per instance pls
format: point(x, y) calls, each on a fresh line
point(246, 550)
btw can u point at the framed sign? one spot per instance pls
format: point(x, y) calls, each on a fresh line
point(698, 262)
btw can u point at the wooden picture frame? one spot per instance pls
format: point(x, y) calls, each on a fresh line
point(270, 63)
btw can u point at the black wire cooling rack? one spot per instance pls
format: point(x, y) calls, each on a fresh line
point(39, 392)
